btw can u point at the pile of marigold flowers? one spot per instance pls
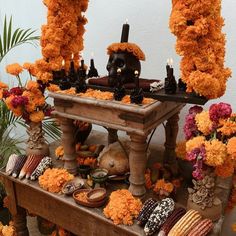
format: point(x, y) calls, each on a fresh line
point(97, 94)
point(6, 230)
point(122, 207)
point(210, 140)
point(53, 179)
point(198, 28)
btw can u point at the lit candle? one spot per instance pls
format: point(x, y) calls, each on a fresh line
point(72, 66)
point(63, 71)
point(168, 66)
point(171, 62)
point(136, 74)
point(125, 32)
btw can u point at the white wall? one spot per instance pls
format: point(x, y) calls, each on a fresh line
point(149, 28)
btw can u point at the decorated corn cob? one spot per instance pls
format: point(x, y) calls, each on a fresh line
point(202, 228)
point(146, 211)
point(171, 221)
point(11, 163)
point(159, 215)
point(30, 165)
point(18, 165)
point(45, 163)
point(185, 224)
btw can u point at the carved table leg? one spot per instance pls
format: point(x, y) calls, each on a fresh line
point(171, 131)
point(68, 143)
point(20, 222)
point(112, 135)
point(137, 162)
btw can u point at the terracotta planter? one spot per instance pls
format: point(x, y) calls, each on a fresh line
point(36, 144)
point(203, 199)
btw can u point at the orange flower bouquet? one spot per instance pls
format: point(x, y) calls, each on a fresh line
point(27, 102)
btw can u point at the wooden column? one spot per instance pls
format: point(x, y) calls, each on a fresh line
point(171, 131)
point(137, 162)
point(112, 135)
point(20, 222)
point(68, 143)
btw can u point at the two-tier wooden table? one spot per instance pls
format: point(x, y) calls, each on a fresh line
point(137, 121)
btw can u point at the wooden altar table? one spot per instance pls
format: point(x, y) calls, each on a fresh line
point(137, 121)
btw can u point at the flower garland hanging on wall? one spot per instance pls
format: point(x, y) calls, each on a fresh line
point(62, 36)
point(197, 26)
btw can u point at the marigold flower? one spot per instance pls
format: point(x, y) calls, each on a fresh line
point(231, 147)
point(228, 127)
point(216, 152)
point(31, 68)
point(196, 142)
point(226, 169)
point(32, 85)
point(37, 116)
point(14, 69)
point(59, 152)
point(204, 124)
point(53, 88)
point(180, 150)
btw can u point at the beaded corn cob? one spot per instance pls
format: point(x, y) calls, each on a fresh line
point(30, 165)
point(11, 163)
point(18, 165)
point(45, 163)
point(202, 229)
point(159, 215)
point(147, 209)
point(171, 221)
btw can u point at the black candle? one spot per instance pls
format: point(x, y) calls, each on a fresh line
point(92, 70)
point(72, 65)
point(136, 73)
point(125, 33)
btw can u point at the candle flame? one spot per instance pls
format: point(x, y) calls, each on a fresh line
point(136, 72)
point(82, 55)
point(168, 61)
point(72, 56)
point(92, 55)
point(171, 61)
point(63, 63)
point(126, 21)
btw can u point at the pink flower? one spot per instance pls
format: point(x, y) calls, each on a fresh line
point(197, 174)
point(195, 110)
point(220, 111)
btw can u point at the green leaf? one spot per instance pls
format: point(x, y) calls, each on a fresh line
point(9, 34)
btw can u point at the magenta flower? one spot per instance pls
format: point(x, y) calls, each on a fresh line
point(16, 91)
point(198, 174)
point(19, 101)
point(197, 154)
point(220, 111)
point(195, 110)
point(190, 127)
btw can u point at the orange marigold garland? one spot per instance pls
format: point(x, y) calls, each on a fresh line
point(197, 26)
point(122, 207)
point(62, 36)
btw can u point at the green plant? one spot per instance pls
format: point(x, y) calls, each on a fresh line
point(10, 39)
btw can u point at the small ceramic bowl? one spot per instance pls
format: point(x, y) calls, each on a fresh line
point(84, 170)
point(72, 185)
point(96, 195)
point(99, 175)
point(83, 200)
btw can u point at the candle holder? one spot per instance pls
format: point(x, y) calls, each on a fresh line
point(65, 83)
point(170, 82)
point(119, 91)
point(137, 93)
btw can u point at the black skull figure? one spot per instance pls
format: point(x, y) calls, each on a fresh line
point(124, 56)
point(127, 63)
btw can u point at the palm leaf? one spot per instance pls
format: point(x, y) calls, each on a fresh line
point(10, 39)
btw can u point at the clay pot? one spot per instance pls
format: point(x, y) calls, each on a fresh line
point(114, 159)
